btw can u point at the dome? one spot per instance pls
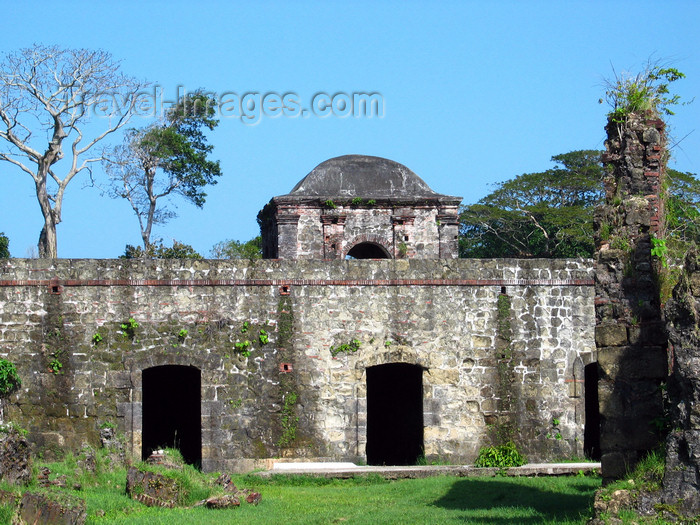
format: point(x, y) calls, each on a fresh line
point(362, 176)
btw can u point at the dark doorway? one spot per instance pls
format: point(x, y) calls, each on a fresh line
point(591, 432)
point(367, 250)
point(394, 414)
point(171, 411)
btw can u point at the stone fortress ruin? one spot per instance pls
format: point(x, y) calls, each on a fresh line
point(359, 337)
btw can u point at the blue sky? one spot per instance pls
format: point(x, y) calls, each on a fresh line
point(474, 93)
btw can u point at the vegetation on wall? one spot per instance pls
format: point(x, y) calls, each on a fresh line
point(503, 452)
point(9, 378)
point(287, 383)
point(346, 348)
point(644, 92)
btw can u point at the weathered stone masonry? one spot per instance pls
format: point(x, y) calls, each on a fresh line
point(630, 333)
point(438, 314)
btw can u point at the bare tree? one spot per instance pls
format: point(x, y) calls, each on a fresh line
point(50, 93)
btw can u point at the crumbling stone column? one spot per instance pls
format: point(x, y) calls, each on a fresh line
point(630, 337)
point(681, 485)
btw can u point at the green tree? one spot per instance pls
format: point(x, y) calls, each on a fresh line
point(4, 246)
point(232, 249)
point(547, 214)
point(164, 160)
point(682, 210)
point(158, 250)
point(49, 94)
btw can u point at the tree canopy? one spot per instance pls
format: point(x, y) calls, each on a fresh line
point(682, 212)
point(47, 92)
point(158, 250)
point(547, 214)
point(165, 159)
point(232, 249)
point(550, 214)
point(4, 246)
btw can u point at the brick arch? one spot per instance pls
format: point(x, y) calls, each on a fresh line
point(369, 238)
point(143, 360)
point(392, 354)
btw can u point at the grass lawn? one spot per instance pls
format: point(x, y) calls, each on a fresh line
point(297, 500)
point(289, 499)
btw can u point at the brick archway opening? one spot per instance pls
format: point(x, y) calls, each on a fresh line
point(394, 414)
point(367, 250)
point(172, 411)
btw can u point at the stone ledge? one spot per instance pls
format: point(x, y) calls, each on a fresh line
point(420, 471)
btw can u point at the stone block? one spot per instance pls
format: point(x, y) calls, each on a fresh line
point(611, 335)
point(633, 362)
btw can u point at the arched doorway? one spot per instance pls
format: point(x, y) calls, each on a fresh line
point(367, 250)
point(394, 414)
point(591, 433)
point(172, 411)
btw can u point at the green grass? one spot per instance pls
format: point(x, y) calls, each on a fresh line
point(362, 500)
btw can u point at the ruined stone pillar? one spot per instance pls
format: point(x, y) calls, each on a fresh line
point(681, 486)
point(629, 333)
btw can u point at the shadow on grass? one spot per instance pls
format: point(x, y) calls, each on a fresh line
point(555, 503)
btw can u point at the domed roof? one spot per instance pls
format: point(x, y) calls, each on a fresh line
point(362, 176)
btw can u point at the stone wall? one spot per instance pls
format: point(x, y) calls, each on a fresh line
point(629, 332)
point(291, 397)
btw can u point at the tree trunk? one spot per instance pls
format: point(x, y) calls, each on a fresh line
point(48, 246)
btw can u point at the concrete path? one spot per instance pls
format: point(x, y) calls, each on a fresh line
point(348, 470)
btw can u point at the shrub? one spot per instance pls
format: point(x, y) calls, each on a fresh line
point(501, 456)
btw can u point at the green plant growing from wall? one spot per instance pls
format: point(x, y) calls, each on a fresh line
point(242, 348)
point(403, 249)
point(346, 348)
point(263, 337)
point(9, 378)
point(55, 366)
point(97, 338)
point(129, 328)
point(330, 204)
point(244, 328)
point(660, 250)
point(646, 91)
point(182, 334)
point(356, 201)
